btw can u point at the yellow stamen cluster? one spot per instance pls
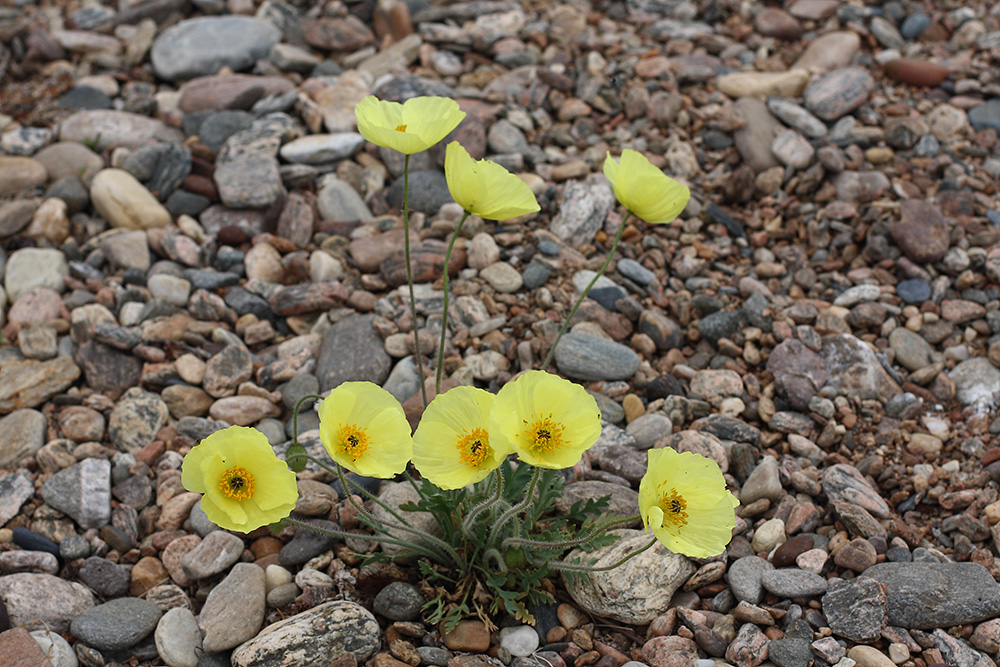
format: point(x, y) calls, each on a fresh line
point(674, 509)
point(544, 435)
point(237, 484)
point(353, 440)
point(401, 128)
point(474, 447)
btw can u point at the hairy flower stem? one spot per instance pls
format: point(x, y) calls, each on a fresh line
point(516, 509)
point(409, 276)
point(556, 565)
point(380, 539)
point(382, 526)
point(583, 295)
point(594, 531)
point(469, 520)
point(444, 310)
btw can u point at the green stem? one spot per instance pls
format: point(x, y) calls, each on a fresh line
point(583, 295)
point(381, 539)
point(555, 565)
point(409, 276)
point(513, 511)
point(403, 525)
point(467, 523)
point(444, 313)
point(593, 532)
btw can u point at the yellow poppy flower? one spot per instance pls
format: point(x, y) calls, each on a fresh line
point(364, 429)
point(245, 485)
point(451, 446)
point(410, 127)
point(683, 499)
point(485, 188)
point(645, 190)
point(547, 420)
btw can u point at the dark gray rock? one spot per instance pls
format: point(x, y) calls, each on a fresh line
point(798, 372)
point(585, 357)
point(307, 544)
point(352, 350)
point(937, 595)
point(793, 583)
point(116, 624)
point(857, 609)
point(399, 601)
point(745, 577)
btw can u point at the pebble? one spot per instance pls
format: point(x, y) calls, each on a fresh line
point(328, 629)
point(178, 638)
point(200, 46)
point(793, 583)
point(234, 610)
point(117, 624)
point(586, 357)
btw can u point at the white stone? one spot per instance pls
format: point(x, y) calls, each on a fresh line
point(276, 575)
point(35, 267)
point(322, 148)
point(521, 641)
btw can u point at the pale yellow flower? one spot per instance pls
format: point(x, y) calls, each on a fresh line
point(363, 428)
point(549, 421)
point(410, 127)
point(684, 501)
point(645, 190)
point(485, 188)
point(452, 446)
point(244, 485)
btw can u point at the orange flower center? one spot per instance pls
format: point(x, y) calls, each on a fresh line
point(674, 509)
point(236, 483)
point(353, 441)
point(543, 435)
point(401, 128)
point(474, 447)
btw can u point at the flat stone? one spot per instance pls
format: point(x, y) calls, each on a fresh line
point(763, 84)
point(322, 148)
point(221, 92)
point(28, 383)
point(937, 595)
point(201, 46)
point(584, 207)
point(106, 128)
point(310, 638)
point(22, 433)
point(793, 583)
point(42, 601)
point(585, 357)
point(117, 624)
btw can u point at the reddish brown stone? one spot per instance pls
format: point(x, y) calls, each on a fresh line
point(337, 34)
point(916, 72)
point(19, 649)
